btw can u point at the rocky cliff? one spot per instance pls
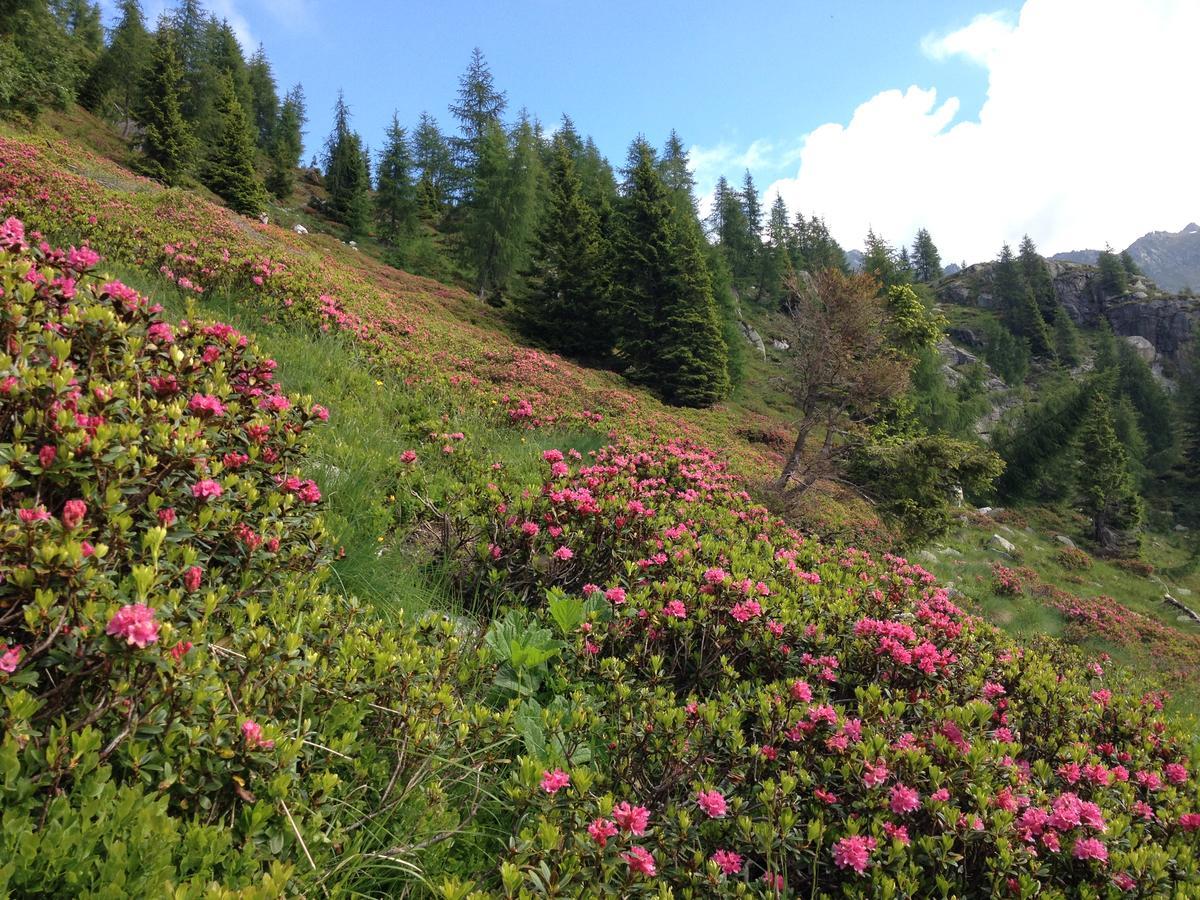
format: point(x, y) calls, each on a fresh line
point(1170, 258)
point(1167, 321)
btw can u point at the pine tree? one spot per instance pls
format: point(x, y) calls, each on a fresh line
point(112, 88)
point(264, 98)
point(668, 328)
point(1067, 343)
point(1018, 306)
point(434, 166)
point(1037, 276)
point(1113, 278)
point(1107, 489)
point(927, 262)
point(287, 143)
point(395, 192)
point(166, 141)
point(347, 174)
point(230, 172)
point(479, 106)
point(564, 302)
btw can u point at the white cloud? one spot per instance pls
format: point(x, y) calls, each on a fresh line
point(1088, 135)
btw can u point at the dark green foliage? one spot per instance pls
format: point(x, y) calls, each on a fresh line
point(677, 176)
point(1036, 443)
point(1129, 432)
point(1106, 486)
point(939, 407)
point(395, 192)
point(564, 301)
point(166, 141)
point(729, 310)
point(914, 483)
point(347, 174)
point(1007, 354)
point(229, 171)
point(287, 142)
point(1017, 305)
point(41, 64)
point(1155, 415)
point(264, 100)
point(1130, 267)
point(1037, 276)
point(478, 108)
point(1067, 343)
point(776, 266)
point(729, 226)
point(1114, 280)
point(926, 261)
point(880, 261)
point(434, 168)
point(814, 248)
point(112, 89)
point(501, 214)
point(668, 331)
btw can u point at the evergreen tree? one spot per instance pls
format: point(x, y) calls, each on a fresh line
point(1113, 278)
point(1130, 267)
point(1156, 418)
point(112, 88)
point(677, 176)
point(1037, 276)
point(1007, 354)
point(264, 98)
point(904, 266)
point(479, 106)
point(501, 212)
point(166, 141)
point(230, 172)
point(287, 143)
point(598, 181)
point(347, 175)
point(732, 232)
point(564, 302)
point(41, 64)
point(880, 262)
point(814, 248)
point(434, 166)
point(1018, 306)
point(395, 192)
point(776, 260)
point(1067, 343)
point(668, 326)
point(926, 261)
point(1106, 486)
point(752, 211)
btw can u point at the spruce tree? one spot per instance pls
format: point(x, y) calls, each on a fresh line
point(287, 143)
point(395, 192)
point(264, 99)
point(904, 266)
point(776, 260)
point(814, 248)
point(564, 302)
point(677, 176)
point(1130, 267)
point(1067, 343)
point(113, 87)
point(347, 174)
point(668, 327)
point(434, 167)
point(1018, 306)
point(1037, 276)
point(166, 141)
point(926, 261)
point(1113, 277)
point(230, 172)
point(880, 261)
point(1109, 496)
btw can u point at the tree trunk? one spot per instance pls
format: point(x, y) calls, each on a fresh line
point(797, 454)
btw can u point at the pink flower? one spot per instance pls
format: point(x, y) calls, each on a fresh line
point(554, 781)
point(319, 412)
point(166, 516)
point(904, 799)
point(715, 575)
point(206, 404)
point(191, 578)
point(941, 795)
point(1124, 881)
point(1190, 821)
point(801, 691)
point(552, 456)
point(161, 333)
point(675, 609)
point(530, 528)
point(1091, 848)
point(73, 513)
point(46, 455)
point(896, 832)
point(252, 732)
point(205, 489)
point(853, 852)
point(746, 610)
point(135, 623)
point(640, 861)
point(601, 830)
point(1176, 773)
point(713, 803)
point(9, 658)
point(992, 690)
point(615, 595)
point(727, 861)
point(179, 651)
point(875, 774)
point(633, 819)
point(408, 457)
point(563, 553)
point(34, 514)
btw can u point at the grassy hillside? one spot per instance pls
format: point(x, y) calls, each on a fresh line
point(632, 677)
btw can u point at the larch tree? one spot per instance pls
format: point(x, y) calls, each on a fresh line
point(229, 171)
point(1113, 277)
point(395, 192)
point(166, 141)
point(478, 108)
point(433, 164)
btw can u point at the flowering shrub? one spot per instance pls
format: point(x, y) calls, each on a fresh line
point(1006, 581)
point(182, 704)
point(750, 710)
point(1073, 559)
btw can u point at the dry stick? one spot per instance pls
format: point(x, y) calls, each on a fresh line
point(296, 830)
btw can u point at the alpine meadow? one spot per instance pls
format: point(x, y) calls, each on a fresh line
point(743, 489)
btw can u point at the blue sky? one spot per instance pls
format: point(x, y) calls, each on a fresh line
point(831, 103)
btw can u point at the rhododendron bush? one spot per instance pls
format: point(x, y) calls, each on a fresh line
point(182, 704)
